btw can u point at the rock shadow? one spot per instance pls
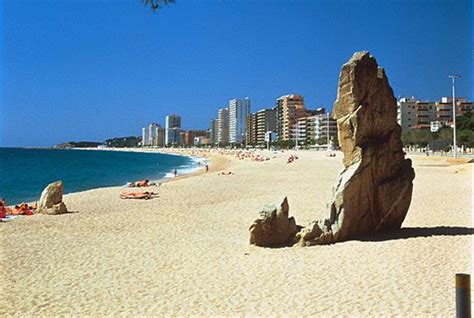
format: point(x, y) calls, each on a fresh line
point(413, 232)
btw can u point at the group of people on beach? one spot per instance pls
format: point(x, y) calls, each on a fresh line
point(141, 184)
point(223, 173)
point(20, 209)
point(146, 195)
point(242, 155)
point(292, 158)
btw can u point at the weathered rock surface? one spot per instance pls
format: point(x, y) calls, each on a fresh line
point(51, 201)
point(374, 190)
point(273, 228)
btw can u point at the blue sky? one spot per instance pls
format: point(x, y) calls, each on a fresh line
point(90, 69)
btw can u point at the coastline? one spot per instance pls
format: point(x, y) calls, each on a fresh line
point(187, 251)
point(216, 163)
point(165, 174)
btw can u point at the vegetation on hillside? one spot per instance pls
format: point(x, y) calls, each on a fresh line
point(122, 142)
point(78, 144)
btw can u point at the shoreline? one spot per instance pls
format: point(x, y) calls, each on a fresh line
point(195, 168)
point(214, 162)
point(218, 160)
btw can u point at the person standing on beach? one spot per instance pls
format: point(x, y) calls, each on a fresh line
point(207, 168)
point(175, 172)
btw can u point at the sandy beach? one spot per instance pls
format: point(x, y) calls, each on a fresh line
point(187, 251)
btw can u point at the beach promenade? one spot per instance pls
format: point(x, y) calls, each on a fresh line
point(187, 251)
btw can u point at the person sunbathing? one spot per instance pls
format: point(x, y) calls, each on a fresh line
point(140, 184)
point(23, 209)
point(4, 210)
point(137, 195)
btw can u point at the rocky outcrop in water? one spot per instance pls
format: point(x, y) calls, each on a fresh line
point(51, 201)
point(273, 228)
point(374, 190)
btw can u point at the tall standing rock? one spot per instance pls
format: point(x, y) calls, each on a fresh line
point(375, 188)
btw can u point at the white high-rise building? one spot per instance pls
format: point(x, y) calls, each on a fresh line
point(145, 136)
point(152, 134)
point(223, 126)
point(238, 111)
point(172, 129)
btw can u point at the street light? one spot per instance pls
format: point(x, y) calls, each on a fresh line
point(297, 135)
point(327, 131)
point(455, 148)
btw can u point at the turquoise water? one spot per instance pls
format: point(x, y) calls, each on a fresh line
point(24, 173)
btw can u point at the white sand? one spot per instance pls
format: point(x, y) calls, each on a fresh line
point(187, 252)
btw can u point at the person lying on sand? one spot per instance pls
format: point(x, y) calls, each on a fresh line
point(225, 173)
point(138, 195)
point(141, 184)
point(292, 158)
point(23, 209)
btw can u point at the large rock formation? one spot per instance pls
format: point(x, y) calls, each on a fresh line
point(51, 201)
point(273, 228)
point(374, 189)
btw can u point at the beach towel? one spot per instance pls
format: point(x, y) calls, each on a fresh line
point(8, 218)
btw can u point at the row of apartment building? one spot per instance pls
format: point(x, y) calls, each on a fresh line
point(415, 114)
point(291, 121)
point(172, 134)
point(230, 125)
point(287, 120)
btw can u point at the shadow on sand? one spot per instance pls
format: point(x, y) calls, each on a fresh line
point(412, 232)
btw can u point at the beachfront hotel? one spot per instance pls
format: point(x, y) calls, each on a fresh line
point(188, 137)
point(153, 135)
point(265, 121)
point(223, 126)
point(321, 126)
point(251, 133)
point(415, 114)
point(238, 111)
point(288, 109)
point(172, 129)
point(213, 131)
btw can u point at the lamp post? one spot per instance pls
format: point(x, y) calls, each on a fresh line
point(327, 131)
point(297, 135)
point(455, 148)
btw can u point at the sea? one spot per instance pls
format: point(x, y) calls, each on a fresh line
point(24, 173)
